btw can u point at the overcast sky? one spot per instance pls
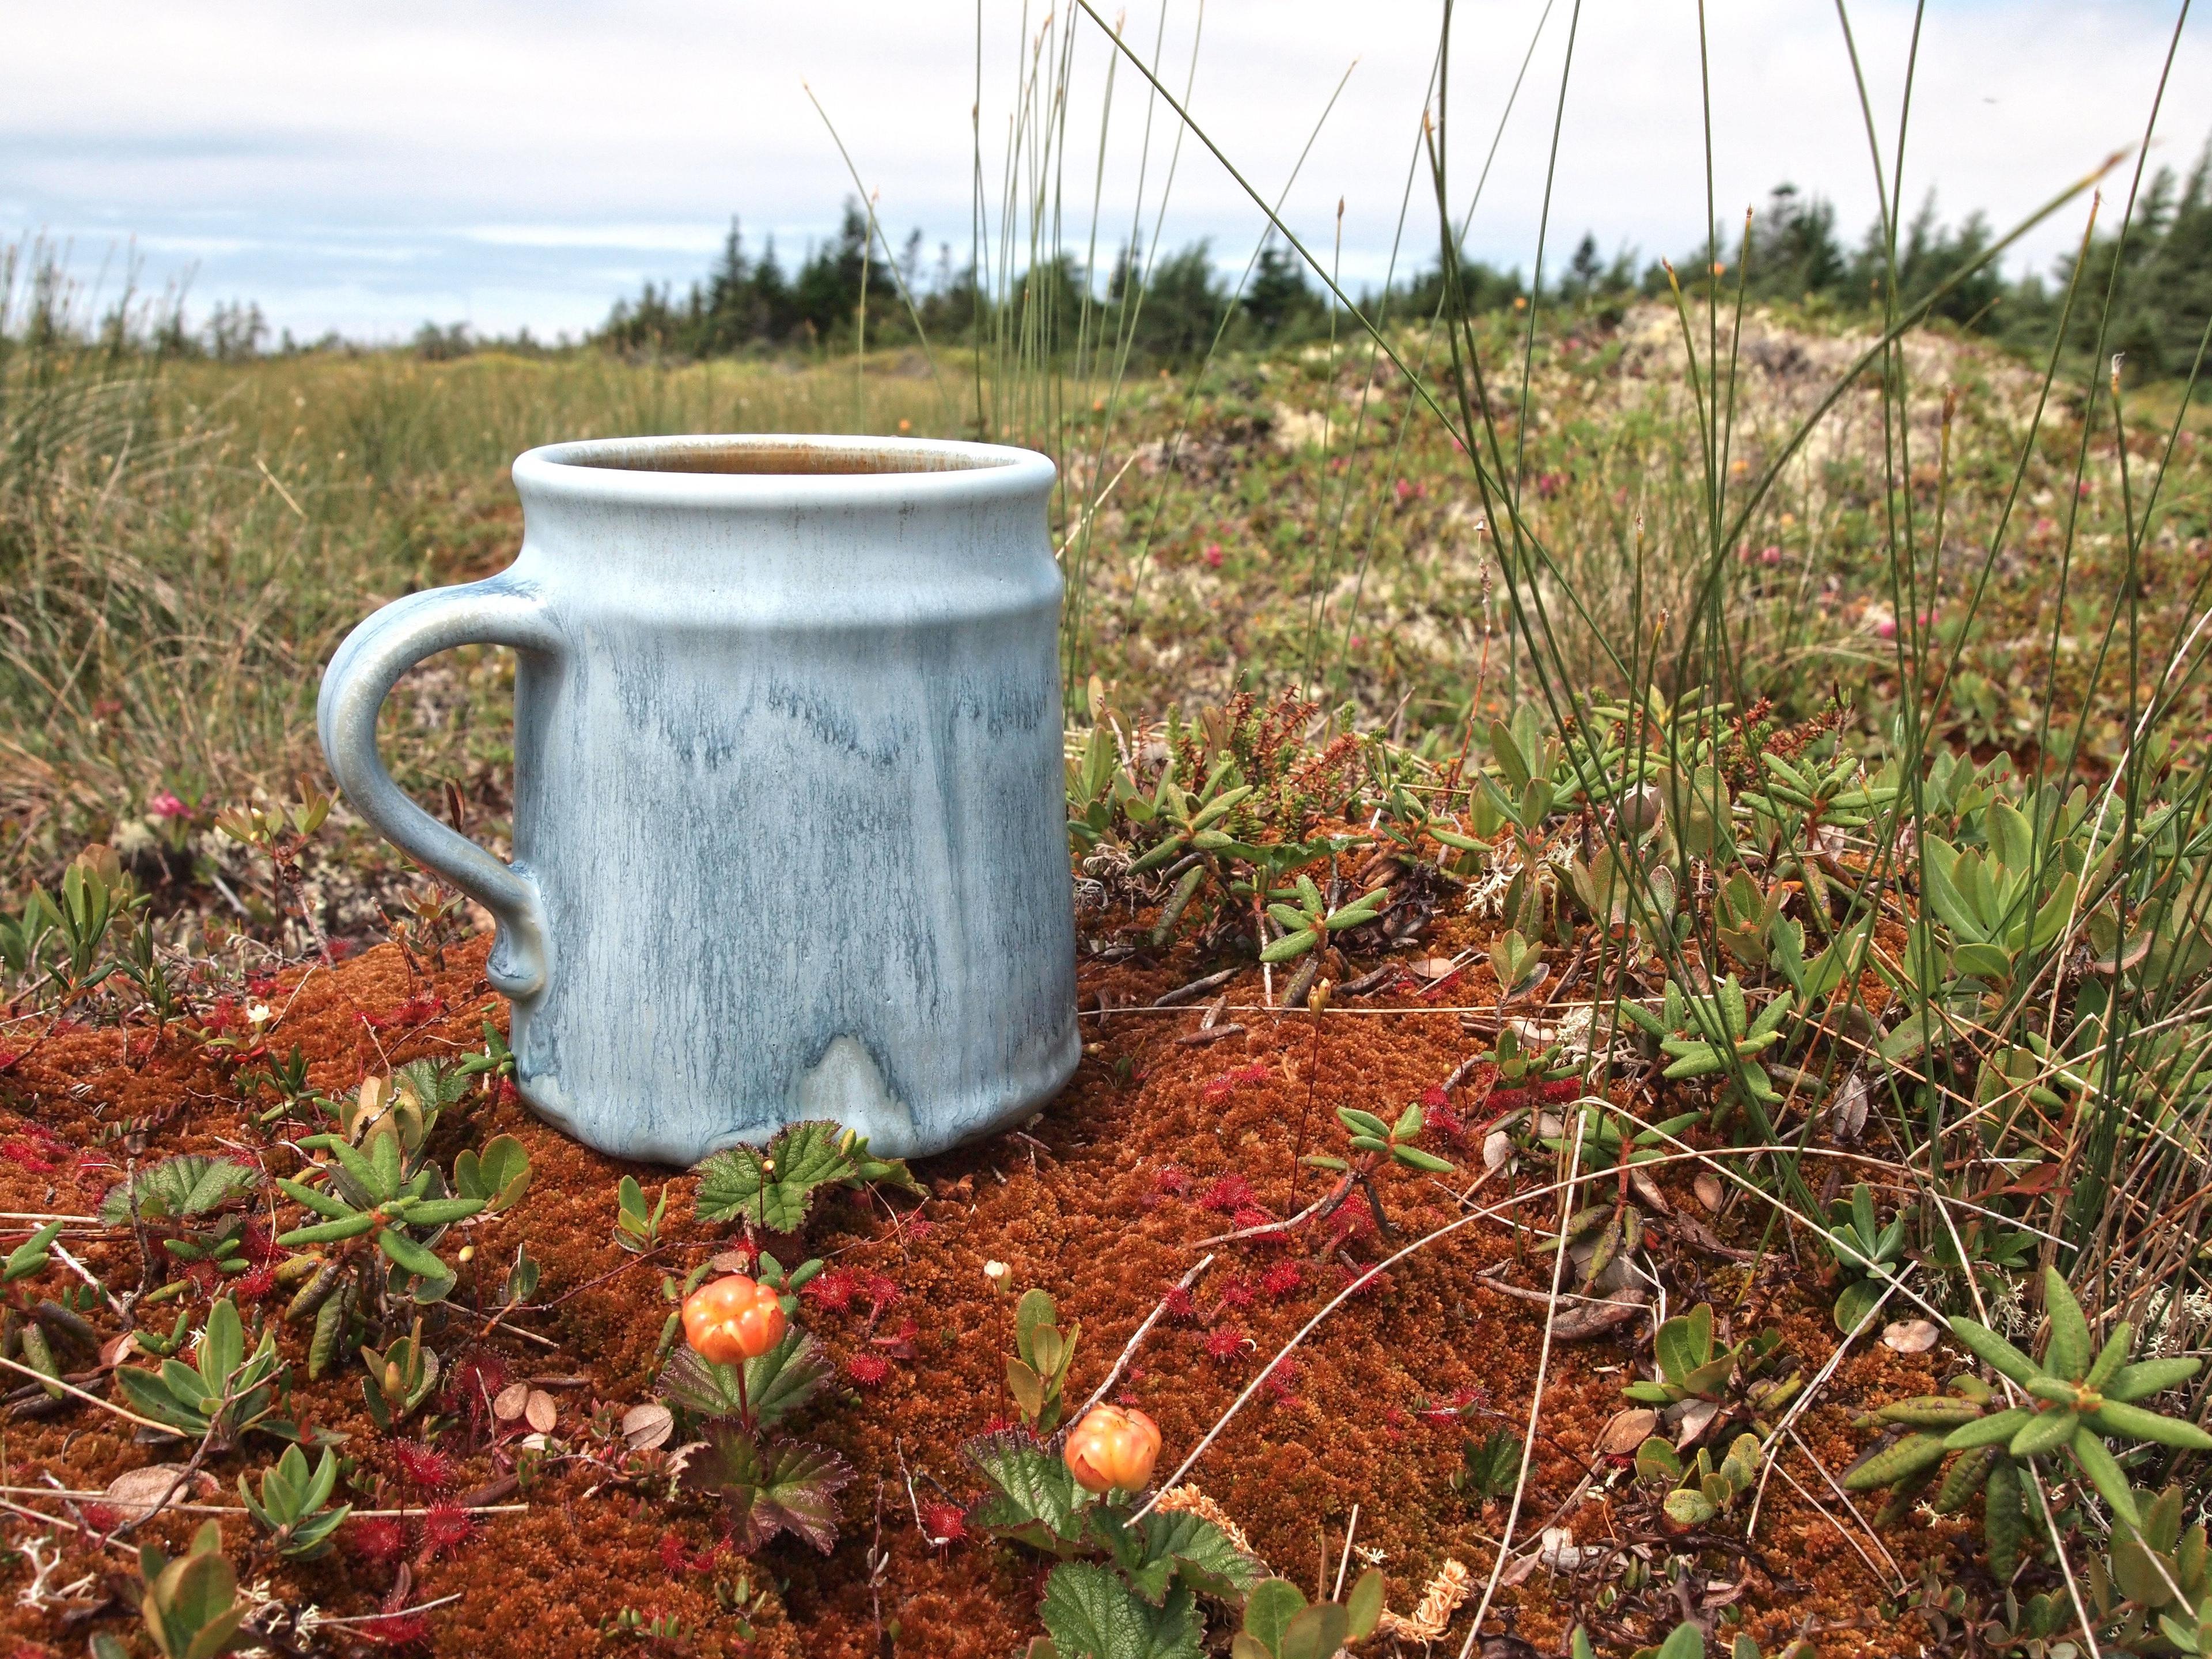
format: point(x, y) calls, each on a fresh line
point(511, 162)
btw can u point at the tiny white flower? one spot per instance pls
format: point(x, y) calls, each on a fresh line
point(258, 1013)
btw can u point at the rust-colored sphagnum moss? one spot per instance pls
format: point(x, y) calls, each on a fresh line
point(1157, 1144)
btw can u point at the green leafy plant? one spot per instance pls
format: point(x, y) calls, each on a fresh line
point(1701, 1491)
point(293, 1505)
point(769, 1487)
point(1281, 1624)
point(1518, 964)
point(1713, 1034)
point(190, 1607)
point(1375, 1145)
point(387, 1207)
point(1693, 1366)
point(2002, 904)
point(1490, 1466)
point(1746, 918)
point(400, 1378)
point(1866, 1254)
point(2077, 1395)
point(287, 1079)
point(1125, 1589)
point(637, 1229)
point(33, 1323)
point(226, 1393)
point(1044, 1349)
point(167, 1198)
point(1187, 822)
point(773, 1188)
point(499, 1175)
point(768, 1484)
point(2148, 1592)
point(1307, 921)
point(765, 1390)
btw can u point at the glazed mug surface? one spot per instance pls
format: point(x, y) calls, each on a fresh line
point(789, 835)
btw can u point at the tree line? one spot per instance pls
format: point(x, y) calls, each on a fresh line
point(851, 287)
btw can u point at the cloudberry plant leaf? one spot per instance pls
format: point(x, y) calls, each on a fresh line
point(1035, 1501)
point(1089, 1611)
point(178, 1188)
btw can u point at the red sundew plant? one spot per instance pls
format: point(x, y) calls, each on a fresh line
point(1228, 1081)
point(1169, 1182)
point(867, 1371)
point(1227, 1193)
point(424, 1466)
point(832, 1289)
point(678, 1559)
point(378, 1539)
point(1181, 1304)
point(1234, 1291)
point(255, 1285)
point(1285, 1277)
point(675, 1559)
point(395, 1629)
point(944, 1524)
point(470, 1389)
point(1281, 1382)
point(1251, 1216)
point(445, 1527)
point(1226, 1342)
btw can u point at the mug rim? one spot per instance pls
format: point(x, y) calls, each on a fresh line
point(621, 470)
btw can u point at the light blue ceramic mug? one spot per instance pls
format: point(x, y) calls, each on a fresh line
point(789, 810)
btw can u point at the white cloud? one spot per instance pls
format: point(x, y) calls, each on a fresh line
point(517, 161)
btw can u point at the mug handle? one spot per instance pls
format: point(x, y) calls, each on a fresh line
point(496, 611)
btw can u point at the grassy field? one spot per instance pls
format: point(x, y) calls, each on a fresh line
point(186, 542)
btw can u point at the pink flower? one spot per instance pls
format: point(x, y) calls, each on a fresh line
point(1213, 555)
point(167, 806)
point(1886, 628)
point(1770, 555)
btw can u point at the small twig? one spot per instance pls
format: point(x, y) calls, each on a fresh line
point(1543, 1369)
point(1844, 1497)
point(236, 1509)
point(1194, 991)
point(1207, 1035)
point(1335, 1195)
point(396, 1612)
point(85, 1274)
point(899, 1449)
point(1129, 1348)
point(128, 1416)
point(1373, 981)
point(1842, 1531)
